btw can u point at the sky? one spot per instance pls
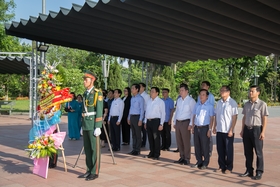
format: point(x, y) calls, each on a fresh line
point(26, 8)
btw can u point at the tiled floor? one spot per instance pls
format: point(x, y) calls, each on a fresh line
point(16, 167)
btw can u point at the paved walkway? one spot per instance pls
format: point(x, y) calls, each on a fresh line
point(16, 167)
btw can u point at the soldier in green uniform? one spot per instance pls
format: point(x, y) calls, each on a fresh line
point(91, 124)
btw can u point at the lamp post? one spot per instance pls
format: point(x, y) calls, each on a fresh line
point(255, 74)
point(105, 70)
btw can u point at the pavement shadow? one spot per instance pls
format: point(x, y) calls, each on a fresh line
point(15, 164)
point(169, 163)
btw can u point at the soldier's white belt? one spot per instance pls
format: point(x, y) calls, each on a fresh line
point(88, 114)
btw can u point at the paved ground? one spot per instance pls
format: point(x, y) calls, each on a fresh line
point(16, 167)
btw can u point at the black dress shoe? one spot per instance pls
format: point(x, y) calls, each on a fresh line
point(91, 177)
point(149, 156)
point(125, 143)
point(197, 165)
point(181, 160)
point(258, 176)
point(131, 152)
point(84, 175)
point(176, 151)
point(247, 174)
point(203, 167)
point(185, 162)
point(156, 158)
point(136, 153)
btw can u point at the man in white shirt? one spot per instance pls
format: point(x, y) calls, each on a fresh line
point(226, 115)
point(114, 120)
point(146, 97)
point(182, 120)
point(153, 122)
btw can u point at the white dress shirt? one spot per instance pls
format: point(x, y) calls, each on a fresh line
point(155, 109)
point(146, 98)
point(184, 109)
point(224, 112)
point(116, 109)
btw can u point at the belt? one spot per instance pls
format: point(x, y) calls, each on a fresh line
point(114, 116)
point(203, 126)
point(88, 114)
point(153, 119)
point(182, 120)
point(134, 114)
point(251, 127)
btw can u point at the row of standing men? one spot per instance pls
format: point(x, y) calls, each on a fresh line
point(144, 113)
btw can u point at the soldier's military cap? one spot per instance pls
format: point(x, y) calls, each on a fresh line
point(89, 74)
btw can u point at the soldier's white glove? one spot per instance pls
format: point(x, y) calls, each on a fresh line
point(97, 132)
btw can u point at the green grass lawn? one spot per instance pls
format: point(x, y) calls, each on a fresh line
point(19, 106)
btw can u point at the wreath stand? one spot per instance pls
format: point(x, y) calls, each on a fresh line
point(62, 150)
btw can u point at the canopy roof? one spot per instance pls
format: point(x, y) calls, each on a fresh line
point(161, 31)
point(14, 65)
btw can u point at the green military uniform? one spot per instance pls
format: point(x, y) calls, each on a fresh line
point(93, 102)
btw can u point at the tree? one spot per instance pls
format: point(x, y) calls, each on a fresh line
point(73, 80)
point(235, 86)
point(263, 94)
point(68, 57)
point(271, 76)
point(115, 76)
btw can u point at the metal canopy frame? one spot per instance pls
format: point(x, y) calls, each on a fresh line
point(161, 31)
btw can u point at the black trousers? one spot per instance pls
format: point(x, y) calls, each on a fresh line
point(225, 150)
point(136, 132)
point(125, 131)
point(166, 136)
point(251, 141)
point(115, 132)
point(201, 144)
point(153, 136)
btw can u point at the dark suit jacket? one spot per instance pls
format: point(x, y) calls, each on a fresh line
point(126, 108)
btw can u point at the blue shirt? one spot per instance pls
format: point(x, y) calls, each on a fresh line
point(169, 106)
point(203, 113)
point(211, 99)
point(137, 106)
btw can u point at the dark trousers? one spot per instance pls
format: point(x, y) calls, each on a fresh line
point(92, 151)
point(144, 135)
point(225, 150)
point(115, 132)
point(166, 136)
point(153, 136)
point(136, 132)
point(251, 141)
point(201, 144)
point(183, 138)
point(125, 131)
